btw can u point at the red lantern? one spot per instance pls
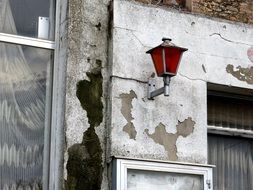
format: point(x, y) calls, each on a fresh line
point(166, 58)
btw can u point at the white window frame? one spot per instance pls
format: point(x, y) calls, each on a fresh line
point(54, 178)
point(229, 131)
point(22, 40)
point(121, 166)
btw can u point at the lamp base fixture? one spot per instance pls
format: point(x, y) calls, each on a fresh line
point(153, 92)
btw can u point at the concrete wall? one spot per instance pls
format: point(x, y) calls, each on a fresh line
point(86, 92)
point(175, 127)
point(107, 111)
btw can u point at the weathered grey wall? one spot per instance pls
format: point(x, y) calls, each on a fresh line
point(110, 95)
point(85, 95)
point(175, 127)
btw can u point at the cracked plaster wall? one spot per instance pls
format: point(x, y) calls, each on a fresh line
point(85, 129)
point(216, 49)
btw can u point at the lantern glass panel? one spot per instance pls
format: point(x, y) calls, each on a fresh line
point(172, 57)
point(157, 57)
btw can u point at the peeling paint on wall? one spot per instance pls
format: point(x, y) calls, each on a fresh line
point(168, 140)
point(126, 107)
point(84, 165)
point(242, 74)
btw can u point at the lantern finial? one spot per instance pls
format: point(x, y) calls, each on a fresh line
point(166, 39)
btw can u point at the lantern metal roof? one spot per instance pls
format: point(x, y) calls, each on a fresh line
point(167, 43)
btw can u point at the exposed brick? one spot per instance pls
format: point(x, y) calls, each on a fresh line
point(171, 3)
point(235, 10)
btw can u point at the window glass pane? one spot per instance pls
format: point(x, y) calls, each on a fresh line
point(151, 180)
point(230, 112)
point(25, 75)
point(32, 18)
point(233, 157)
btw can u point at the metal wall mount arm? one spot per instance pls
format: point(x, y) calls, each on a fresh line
point(152, 92)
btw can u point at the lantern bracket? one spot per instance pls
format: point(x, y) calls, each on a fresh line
point(153, 92)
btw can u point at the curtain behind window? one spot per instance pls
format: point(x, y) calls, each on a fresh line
point(230, 112)
point(233, 158)
point(24, 82)
point(232, 155)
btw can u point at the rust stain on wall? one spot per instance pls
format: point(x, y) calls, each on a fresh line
point(168, 140)
point(84, 165)
point(126, 107)
point(242, 74)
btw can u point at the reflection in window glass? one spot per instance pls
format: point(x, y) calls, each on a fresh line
point(24, 88)
point(151, 180)
point(32, 18)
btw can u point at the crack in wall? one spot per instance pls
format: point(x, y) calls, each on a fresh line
point(126, 107)
point(84, 165)
point(242, 74)
point(214, 55)
point(194, 52)
point(231, 41)
point(134, 35)
point(189, 78)
point(168, 140)
point(126, 78)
